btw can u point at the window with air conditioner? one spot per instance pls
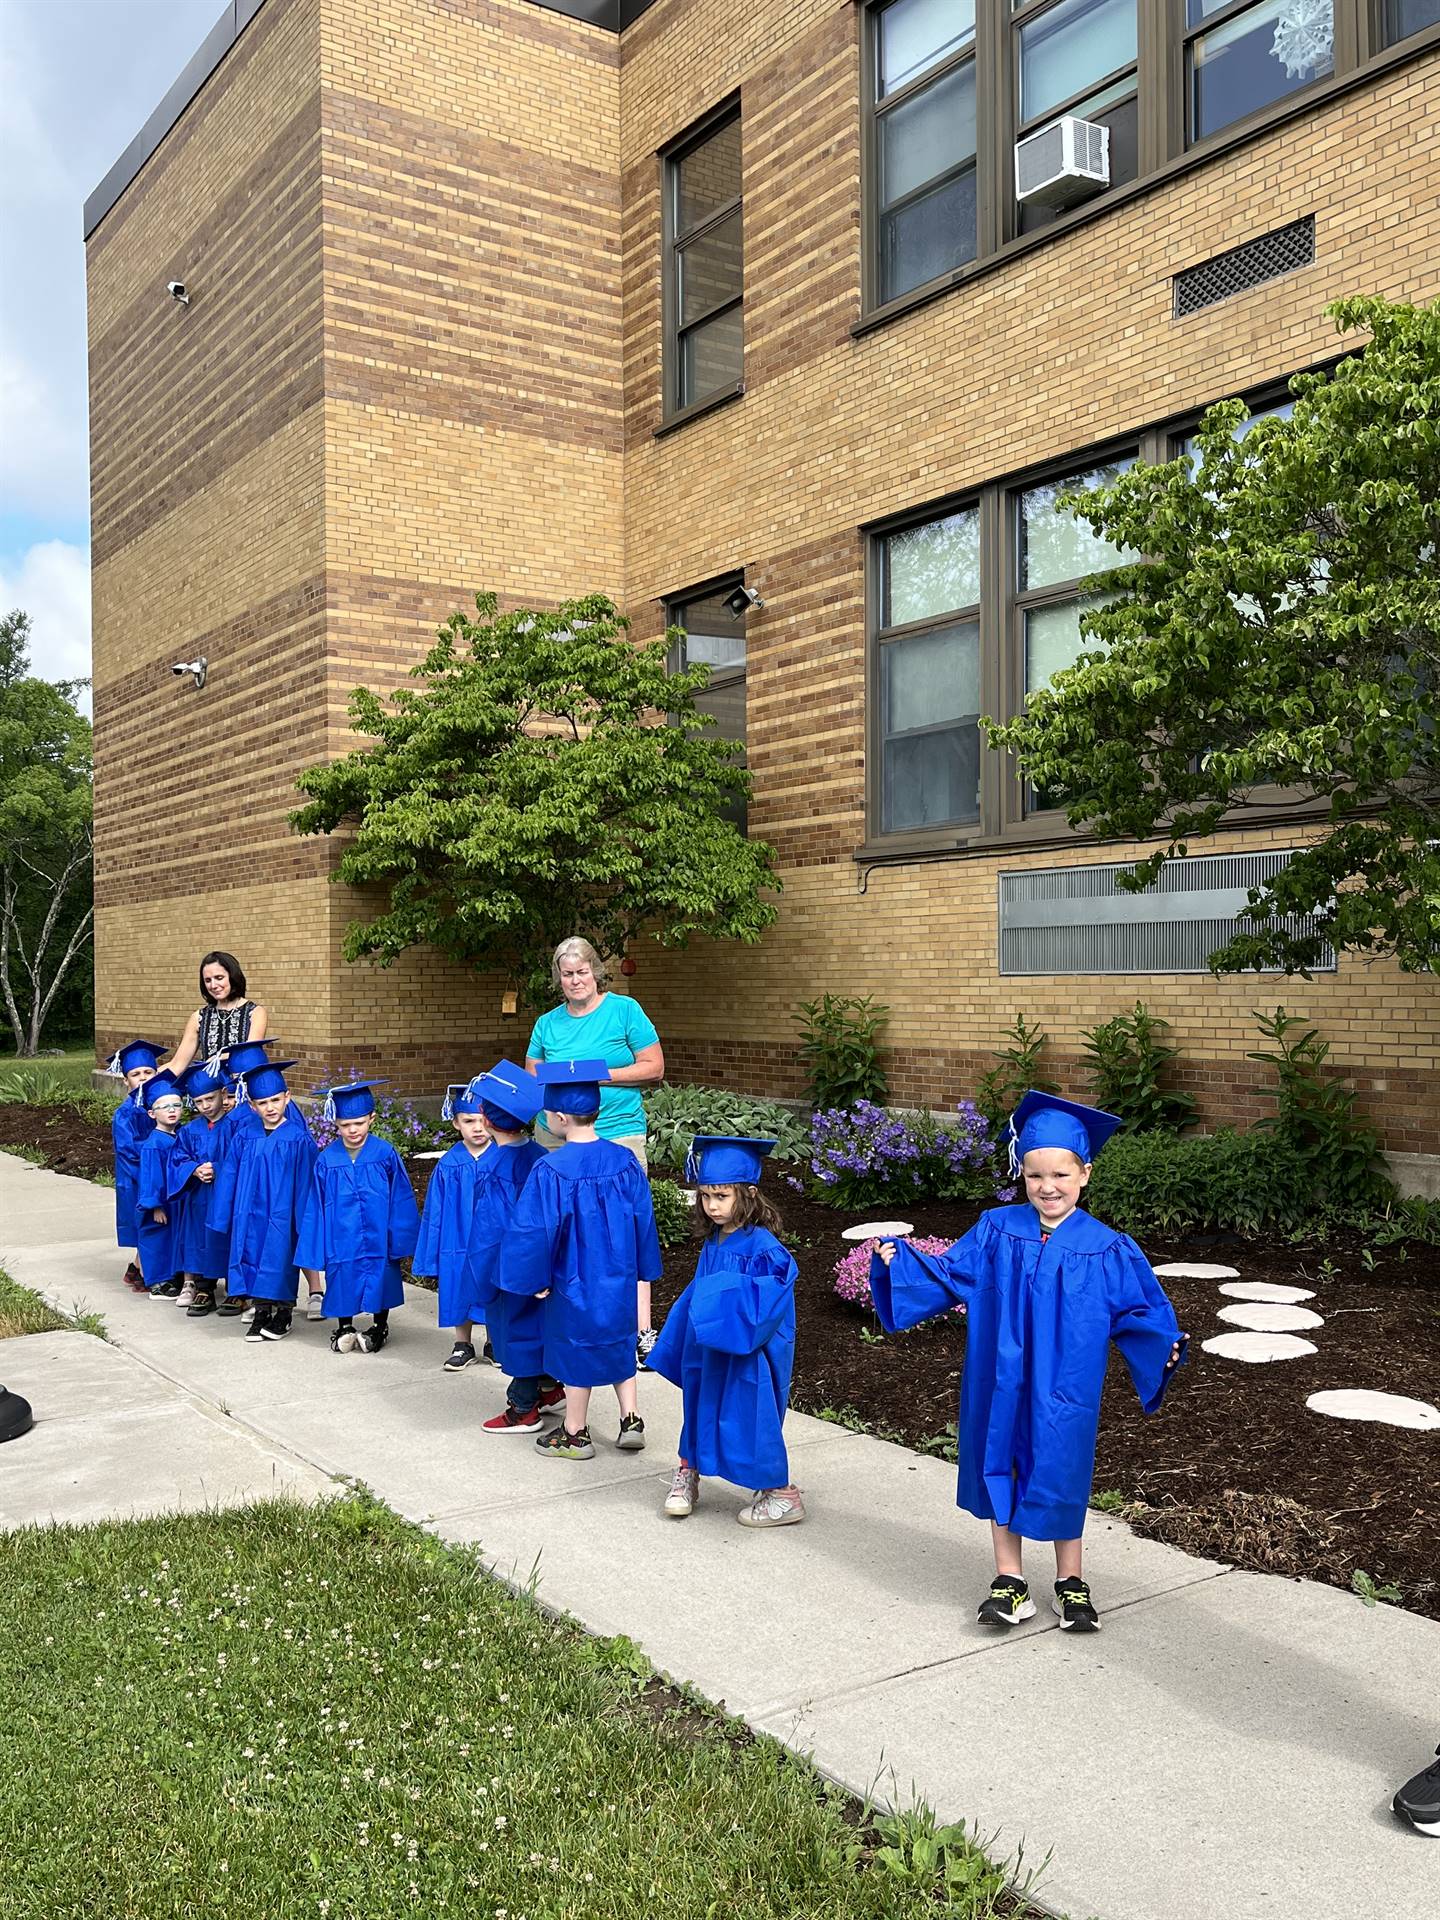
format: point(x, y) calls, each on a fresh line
point(1076, 60)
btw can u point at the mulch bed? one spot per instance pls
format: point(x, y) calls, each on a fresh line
point(1234, 1467)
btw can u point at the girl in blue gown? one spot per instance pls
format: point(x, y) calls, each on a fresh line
point(729, 1341)
point(165, 1171)
point(1046, 1289)
point(259, 1201)
point(360, 1221)
point(130, 1125)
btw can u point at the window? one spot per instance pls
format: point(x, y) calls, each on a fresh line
point(1404, 17)
point(929, 673)
point(704, 278)
point(1078, 57)
point(922, 141)
point(1240, 58)
point(712, 633)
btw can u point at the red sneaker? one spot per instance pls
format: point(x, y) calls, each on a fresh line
point(512, 1420)
point(133, 1278)
point(551, 1397)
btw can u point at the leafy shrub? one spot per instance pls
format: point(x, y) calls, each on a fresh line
point(1413, 1218)
point(672, 1213)
point(839, 1047)
point(399, 1121)
point(867, 1156)
point(674, 1115)
point(1317, 1118)
point(32, 1087)
point(1018, 1072)
point(1159, 1183)
point(852, 1270)
point(1127, 1061)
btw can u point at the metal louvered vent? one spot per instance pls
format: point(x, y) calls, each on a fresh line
point(1265, 258)
point(1077, 920)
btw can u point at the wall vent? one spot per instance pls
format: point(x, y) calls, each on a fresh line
point(1250, 265)
point(1061, 920)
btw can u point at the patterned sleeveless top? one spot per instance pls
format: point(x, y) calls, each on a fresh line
point(222, 1027)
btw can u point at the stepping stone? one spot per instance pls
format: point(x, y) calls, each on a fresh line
point(1196, 1270)
point(1259, 1346)
point(1391, 1409)
point(879, 1230)
point(439, 1154)
point(1269, 1290)
point(1265, 1316)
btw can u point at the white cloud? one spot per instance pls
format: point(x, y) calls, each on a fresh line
point(51, 582)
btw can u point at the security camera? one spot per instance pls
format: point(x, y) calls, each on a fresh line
point(177, 291)
point(196, 667)
point(740, 599)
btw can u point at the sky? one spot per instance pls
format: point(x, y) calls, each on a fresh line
point(81, 77)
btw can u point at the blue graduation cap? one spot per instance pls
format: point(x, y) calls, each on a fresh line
point(725, 1160)
point(352, 1101)
point(260, 1082)
point(243, 1056)
point(572, 1086)
point(164, 1083)
point(135, 1053)
point(509, 1096)
point(200, 1079)
point(461, 1096)
point(1045, 1120)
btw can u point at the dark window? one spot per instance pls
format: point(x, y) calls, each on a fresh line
point(713, 633)
point(1404, 17)
point(923, 140)
point(1240, 58)
point(928, 652)
point(1078, 57)
point(704, 285)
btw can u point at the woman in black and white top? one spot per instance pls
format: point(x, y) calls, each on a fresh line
point(224, 1019)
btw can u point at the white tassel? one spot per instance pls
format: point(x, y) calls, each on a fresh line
point(692, 1169)
point(137, 1097)
point(328, 1110)
point(447, 1106)
point(215, 1065)
point(1014, 1155)
point(114, 1066)
point(242, 1092)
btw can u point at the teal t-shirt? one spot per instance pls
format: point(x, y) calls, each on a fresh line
point(614, 1030)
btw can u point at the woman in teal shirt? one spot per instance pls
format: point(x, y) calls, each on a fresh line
point(591, 1024)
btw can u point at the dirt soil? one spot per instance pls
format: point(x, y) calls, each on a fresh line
point(1234, 1466)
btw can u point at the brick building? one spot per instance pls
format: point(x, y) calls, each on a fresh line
point(668, 297)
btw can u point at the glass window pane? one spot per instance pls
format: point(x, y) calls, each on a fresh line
point(712, 355)
point(711, 269)
point(928, 135)
point(727, 705)
point(914, 34)
point(1053, 639)
point(1074, 43)
point(931, 678)
point(1256, 58)
point(712, 633)
point(708, 177)
point(1056, 546)
point(1403, 17)
point(1279, 410)
point(928, 237)
point(931, 779)
point(933, 569)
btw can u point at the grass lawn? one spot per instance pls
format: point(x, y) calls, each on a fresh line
point(22, 1311)
point(71, 1070)
point(289, 1711)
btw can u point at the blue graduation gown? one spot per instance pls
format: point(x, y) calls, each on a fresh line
point(467, 1208)
point(203, 1250)
point(259, 1197)
point(165, 1170)
point(130, 1128)
point(515, 1323)
point(728, 1343)
point(584, 1227)
point(360, 1221)
point(1039, 1319)
point(244, 1115)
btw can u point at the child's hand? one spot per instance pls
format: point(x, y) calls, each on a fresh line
point(543, 1296)
point(162, 1219)
point(1176, 1351)
point(206, 1172)
point(886, 1251)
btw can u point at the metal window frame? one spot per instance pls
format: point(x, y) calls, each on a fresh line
point(725, 678)
point(674, 406)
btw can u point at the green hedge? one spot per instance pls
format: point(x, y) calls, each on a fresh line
point(1148, 1183)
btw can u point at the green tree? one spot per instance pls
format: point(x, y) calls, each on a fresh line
point(1281, 636)
point(530, 788)
point(46, 869)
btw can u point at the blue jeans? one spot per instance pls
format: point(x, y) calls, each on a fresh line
point(525, 1389)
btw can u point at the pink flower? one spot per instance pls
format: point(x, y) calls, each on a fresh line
point(852, 1271)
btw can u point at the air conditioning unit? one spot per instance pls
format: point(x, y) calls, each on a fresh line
point(1067, 161)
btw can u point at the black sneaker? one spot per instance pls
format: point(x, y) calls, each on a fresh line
point(644, 1347)
point(344, 1339)
point(1008, 1603)
point(277, 1323)
point(462, 1355)
point(374, 1337)
point(564, 1445)
point(232, 1306)
point(167, 1290)
point(487, 1354)
point(202, 1304)
point(256, 1328)
point(632, 1434)
point(1418, 1801)
point(1072, 1603)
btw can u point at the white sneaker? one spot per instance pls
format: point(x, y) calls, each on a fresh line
point(249, 1313)
point(315, 1309)
point(186, 1295)
point(684, 1495)
point(775, 1508)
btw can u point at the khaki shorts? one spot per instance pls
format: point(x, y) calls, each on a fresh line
point(634, 1141)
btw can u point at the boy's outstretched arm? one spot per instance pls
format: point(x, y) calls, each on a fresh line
point(1143, 1323)
point(908, 1286)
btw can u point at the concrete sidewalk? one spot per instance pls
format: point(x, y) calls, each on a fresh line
point(1227, 1746)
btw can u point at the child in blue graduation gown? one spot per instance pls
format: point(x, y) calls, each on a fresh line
point(360, 1222)
point(581, 1238)
point(729, 1340)
point(259, 1200)
point(166, 1170)
point(206, 1138)
point(442, 1253)
point(129, 1126)
point(1046, 1288)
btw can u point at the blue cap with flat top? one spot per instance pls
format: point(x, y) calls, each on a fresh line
point(572, 1086)
point(461, 1096)
point(510, 1097)
point(352, 1101)
point(135, 1053)
point(164, 1084)
point(244, 1055)
point(199, 1079)
point(1045, 1120)
point(725, 1160)
point(264, 1081)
